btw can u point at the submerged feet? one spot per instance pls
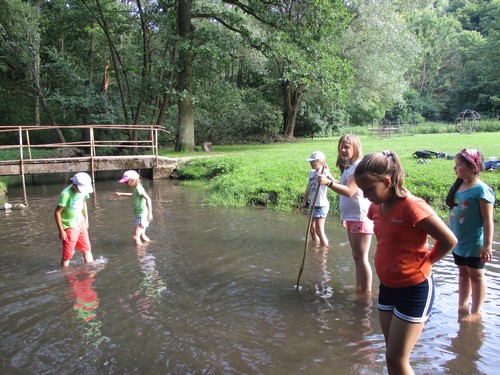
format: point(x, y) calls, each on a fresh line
point(465, 316)
point(141, 240)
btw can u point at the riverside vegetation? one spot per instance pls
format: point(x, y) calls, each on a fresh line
point(272, 175)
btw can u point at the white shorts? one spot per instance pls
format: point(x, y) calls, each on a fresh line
point(142, 221)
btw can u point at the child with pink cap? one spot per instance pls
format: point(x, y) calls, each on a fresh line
point(142, 205)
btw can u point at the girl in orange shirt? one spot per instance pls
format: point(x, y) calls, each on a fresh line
point(402, 223)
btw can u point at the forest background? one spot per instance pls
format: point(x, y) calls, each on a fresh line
point(229, 72)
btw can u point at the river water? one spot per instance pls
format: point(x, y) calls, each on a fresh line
point(214, 293)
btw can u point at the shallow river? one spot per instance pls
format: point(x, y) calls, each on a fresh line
point(212, 294)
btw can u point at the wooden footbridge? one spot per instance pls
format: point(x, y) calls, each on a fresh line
point(83, 155)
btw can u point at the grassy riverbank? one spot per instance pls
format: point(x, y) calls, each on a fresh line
point(275, 175)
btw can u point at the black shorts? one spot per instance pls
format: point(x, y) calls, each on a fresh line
point(471, 262)
point(412, 303)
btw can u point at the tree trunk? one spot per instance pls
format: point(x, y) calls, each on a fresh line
point(165, 101)
point(115, 58)
point(185, 134)
point(36, 86)
point(41, 98)
point(292, 98)
point(145, 64)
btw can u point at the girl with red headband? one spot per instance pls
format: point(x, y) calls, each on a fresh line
point(471, 219)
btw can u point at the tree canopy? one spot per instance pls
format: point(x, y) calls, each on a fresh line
point(232, 71)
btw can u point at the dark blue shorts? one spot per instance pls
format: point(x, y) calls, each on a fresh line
point(412, 304)
point(471, 262)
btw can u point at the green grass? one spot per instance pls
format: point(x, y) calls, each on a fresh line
point(3, 189)
point(275, 175)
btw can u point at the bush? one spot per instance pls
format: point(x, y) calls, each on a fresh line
point(3, 189)
point(205, 168)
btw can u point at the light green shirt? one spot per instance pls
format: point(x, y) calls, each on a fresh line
point(73, 207)
point(140, 207)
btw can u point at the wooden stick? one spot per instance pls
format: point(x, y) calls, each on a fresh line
point(308, 229)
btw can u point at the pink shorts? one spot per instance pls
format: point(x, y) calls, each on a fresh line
point(77, 238)
point(360, 227)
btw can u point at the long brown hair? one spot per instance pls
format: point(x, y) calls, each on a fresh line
point(475, 161)
point(381, 165)
point(354, 141)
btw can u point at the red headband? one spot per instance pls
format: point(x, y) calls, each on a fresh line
point(472, 156)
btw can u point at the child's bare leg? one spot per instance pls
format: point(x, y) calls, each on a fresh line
point(464, 289)
point(478, 289)
point(138, 234)
point(64, 262)
point(144, 238)
point(87, 256)
point(360, 247)
point(320, 231)
point(313, 232)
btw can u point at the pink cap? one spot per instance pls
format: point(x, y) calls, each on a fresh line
point(129, 175)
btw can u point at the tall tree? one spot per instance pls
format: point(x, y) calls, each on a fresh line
point(382, 50)
point(20, 50)
point(100, 11)
point(302, 38)
point(185, 135)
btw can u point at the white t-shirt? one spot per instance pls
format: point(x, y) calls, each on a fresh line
point(356, 207)
point(322, 199)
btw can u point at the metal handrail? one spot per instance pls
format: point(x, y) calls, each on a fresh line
point(92, 143)
point(24, 132)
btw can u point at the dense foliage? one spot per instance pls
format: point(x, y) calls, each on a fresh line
point(236, 71)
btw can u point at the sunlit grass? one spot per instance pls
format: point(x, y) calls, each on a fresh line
point(275, 175)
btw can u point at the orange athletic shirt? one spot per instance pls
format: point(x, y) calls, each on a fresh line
point(400, 258)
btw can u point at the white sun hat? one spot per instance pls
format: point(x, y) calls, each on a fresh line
point(316, 155)
point(83, 182)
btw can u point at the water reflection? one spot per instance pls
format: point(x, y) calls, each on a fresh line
point(364, 354)
point(145, 300)
point(81, 293)
point(319, 265)
point(465, 348)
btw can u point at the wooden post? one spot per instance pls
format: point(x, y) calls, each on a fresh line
point(28, 143)
point(21, 164)
point(156, 145)
point(92, 152)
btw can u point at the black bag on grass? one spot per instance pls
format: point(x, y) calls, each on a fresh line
point(425, 154)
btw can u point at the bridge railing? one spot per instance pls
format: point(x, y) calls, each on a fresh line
point(25, 142)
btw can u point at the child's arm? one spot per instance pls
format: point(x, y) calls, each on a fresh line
point(347, 190)
point(118, 194)
point(487, 215)
point(85, 215)
point(57, 215)
point(305, 198)
point(445, 239)
point(149, 205)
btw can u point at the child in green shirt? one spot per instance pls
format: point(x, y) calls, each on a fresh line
point(142, 205)
point(72, 218)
